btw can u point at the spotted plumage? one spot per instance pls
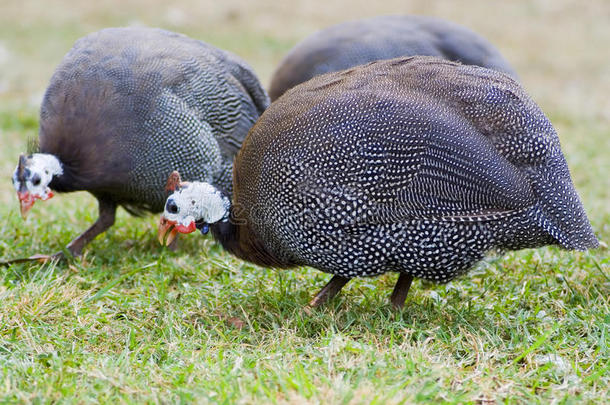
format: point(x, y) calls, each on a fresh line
point(126, 106)
point(358, 42)
point(413, 165)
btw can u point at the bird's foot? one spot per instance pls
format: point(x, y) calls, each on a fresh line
point(35, 258)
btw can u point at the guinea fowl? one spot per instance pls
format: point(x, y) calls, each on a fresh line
point(385, 37)
point(125, 107)
point(414, 165)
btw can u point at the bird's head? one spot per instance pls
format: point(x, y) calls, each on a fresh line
point(191, 206)
point(32, 177)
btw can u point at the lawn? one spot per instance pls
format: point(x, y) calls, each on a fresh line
point(132, 322)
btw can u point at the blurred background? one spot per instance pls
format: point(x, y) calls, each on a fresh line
point(560, 49)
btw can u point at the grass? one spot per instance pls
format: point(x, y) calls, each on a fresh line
point(131, 322)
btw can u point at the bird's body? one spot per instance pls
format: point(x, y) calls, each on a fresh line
point(385, 37)
point(126, 106)
point(413, 165)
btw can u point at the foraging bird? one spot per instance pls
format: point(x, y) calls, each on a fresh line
point(413, 165)
point(385, 37)
point(125, 107)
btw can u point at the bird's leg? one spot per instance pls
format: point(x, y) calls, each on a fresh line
point(107, 210)
point(330, 290)
point(401, 289)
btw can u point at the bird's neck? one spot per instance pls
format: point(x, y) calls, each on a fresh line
point(237, 237)
point(64, 180)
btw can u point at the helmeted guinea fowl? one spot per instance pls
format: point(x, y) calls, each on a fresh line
point(358, 42)
point(413, 165)
point(125, 107)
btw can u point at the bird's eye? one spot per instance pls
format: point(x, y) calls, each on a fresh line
point(171, 206)
point(36, 180)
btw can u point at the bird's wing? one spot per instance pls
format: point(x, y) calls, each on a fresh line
point(248, 79)
point(412, 138)
point(254, 100)
point(441, 169)
point(402, 162)
point(234, 100)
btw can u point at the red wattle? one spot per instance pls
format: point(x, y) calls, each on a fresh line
point(185, 229)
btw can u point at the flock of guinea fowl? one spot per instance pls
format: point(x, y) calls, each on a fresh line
point(396, 143)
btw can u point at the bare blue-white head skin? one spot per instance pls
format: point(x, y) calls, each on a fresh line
point(413, 165)
point(32, 177)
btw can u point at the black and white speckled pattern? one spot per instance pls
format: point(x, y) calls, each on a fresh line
point(127, 106)
point(413, 165)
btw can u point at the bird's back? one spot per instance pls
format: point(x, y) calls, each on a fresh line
point(128, 105)
point(390, 163)
point(358, 42)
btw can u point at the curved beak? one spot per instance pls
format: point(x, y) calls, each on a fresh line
point(166, 228)
point(171, 229)
point(26, 202)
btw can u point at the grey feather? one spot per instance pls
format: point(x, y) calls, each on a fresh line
point(127, 106)
point(358, 42)
point(416, 165)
